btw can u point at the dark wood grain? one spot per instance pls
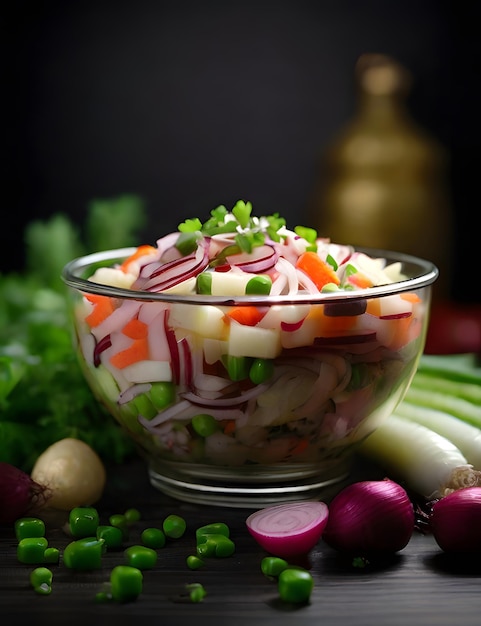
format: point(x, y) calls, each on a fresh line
point(419, 586)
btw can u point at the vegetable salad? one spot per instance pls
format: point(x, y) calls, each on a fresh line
point(242, 363)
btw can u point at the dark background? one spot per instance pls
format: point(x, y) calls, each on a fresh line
point(195, 104)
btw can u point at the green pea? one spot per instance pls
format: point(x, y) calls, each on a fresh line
point(259, 285)
point(29, 527)
point(224, 546)
point(216, 545)
point(141, 557)
point(162, 394)
point(120, 521)
point(196, 592)
point(261, 370)
point(51, 555)
point(295, 585)
point(206, 549)
point(132, 516)
point(41, 580)
point(84, 554)
point(126, 583)
point(83, 521)
point(204, 283)
point(216, 528)
point(32, 550)
point(174, 526)
point(153, 538)
point(194, 562)
point(144, 406)
point(237, 366)
point(112, 536)
point(273, 565)
point(204, 424)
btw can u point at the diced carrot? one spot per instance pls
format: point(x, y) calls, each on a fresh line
point(138, 351)
point(360, 280)
point(229, 427)
point(135, 329)
point(102, 308)
point(373, 306)
point(140, 252)
point(411, 297)
point(299, 447)
point(246, 315)
point(320, 272)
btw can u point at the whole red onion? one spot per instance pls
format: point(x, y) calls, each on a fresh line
point(370, 517)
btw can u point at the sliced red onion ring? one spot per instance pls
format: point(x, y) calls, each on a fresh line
point(167, 275)
point(218, 402)
point(132, 392)
point(260, 264)
point(100, 346)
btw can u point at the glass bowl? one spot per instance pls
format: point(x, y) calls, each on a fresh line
point(233, 412)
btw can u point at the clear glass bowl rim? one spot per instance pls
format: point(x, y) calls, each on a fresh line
point(423, 273)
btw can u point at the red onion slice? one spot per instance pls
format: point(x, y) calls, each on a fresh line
point(266, 258)
point(289, 529)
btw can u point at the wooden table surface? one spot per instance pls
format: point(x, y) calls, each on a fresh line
point(419, 586)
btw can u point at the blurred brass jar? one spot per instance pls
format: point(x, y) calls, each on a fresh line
point(383, 180)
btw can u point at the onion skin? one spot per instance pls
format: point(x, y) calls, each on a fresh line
point(455, 521)
point(370, 518)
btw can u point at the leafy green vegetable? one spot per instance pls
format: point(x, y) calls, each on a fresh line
point(43, 394)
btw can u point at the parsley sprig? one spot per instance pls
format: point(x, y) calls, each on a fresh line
point(250, 231)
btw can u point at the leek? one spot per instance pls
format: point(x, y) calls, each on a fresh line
point(423, 460)
point(465, 436)
point(459, 407)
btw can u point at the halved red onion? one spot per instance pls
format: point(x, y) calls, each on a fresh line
point(289, 529)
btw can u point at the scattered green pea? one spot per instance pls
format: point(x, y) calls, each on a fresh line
point(153, 538)
point(132, 516)
point(118, 520)
point(194, 562)
point(112, 535)
point(196, 592)
point(41, 580)
point(205, 424)
point(216, 545)
point(261, 370)
point(51, 555)
point(141, 557)
point(29, 527)
point(32, 550)
point(216, 528)
point(83, 521)
point(84, 554)
point(295, 585)
point(174, 526)
point(273, 565)
point(126, 583)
